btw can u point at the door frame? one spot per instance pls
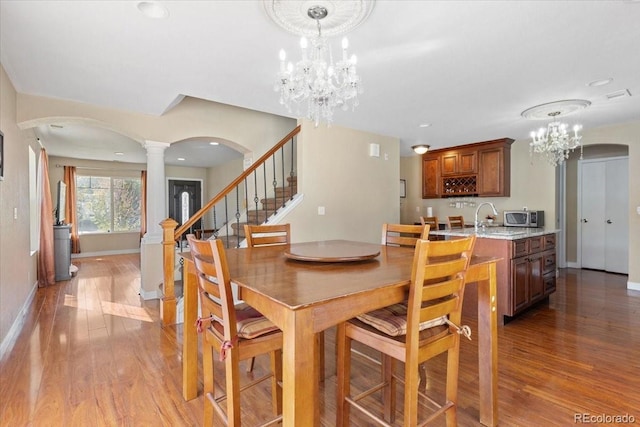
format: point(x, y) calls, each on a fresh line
point(579, 202)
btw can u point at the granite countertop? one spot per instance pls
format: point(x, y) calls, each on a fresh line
point(493, 232)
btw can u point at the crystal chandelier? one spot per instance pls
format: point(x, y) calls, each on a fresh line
point(555, 143)
point(316, 79)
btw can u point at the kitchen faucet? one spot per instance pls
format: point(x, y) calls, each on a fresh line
point(476, 223)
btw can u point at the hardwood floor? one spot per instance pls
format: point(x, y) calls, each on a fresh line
point(92, 353)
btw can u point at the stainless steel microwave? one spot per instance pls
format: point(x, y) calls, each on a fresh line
point(523, 218)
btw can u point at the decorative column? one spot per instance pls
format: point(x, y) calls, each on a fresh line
point(151, 259)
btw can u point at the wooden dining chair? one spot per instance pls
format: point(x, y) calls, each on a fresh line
point(433, 223)
point(428, 326)
point(403, 234)
point(236, 332)
point(455, 222)
point(266, 235)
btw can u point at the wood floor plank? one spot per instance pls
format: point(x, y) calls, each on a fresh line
point(92, 352)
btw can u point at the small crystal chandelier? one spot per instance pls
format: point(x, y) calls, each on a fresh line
point(316, 80)
point(554, 143)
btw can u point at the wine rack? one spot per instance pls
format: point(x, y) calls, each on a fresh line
point(460, 185)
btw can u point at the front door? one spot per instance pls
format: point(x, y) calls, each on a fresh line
point(185, 199)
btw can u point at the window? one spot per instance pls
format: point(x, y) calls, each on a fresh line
point(106, 204)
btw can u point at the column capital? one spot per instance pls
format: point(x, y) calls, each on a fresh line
point(155, 146)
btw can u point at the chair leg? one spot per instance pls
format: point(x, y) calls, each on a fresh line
point(208, 381)
point(232, 380)
point(453, 360)
point(389, 391)
point(320, 358)
point(411, 384)
point(250, 363)
point(422, 373)
point(343, 374)
point(276, 380)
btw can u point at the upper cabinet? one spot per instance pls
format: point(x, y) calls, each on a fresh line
point(481, 169)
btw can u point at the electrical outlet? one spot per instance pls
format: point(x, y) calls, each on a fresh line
point(638, 210)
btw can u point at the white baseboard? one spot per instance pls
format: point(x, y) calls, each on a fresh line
point(573, 265)
point(147, 295)
point(105, 253)
point(16, 328)
point(634, 286)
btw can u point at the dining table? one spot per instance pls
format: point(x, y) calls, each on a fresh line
point(305, 288)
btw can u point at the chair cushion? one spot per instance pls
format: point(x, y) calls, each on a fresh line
point(250, 323)
point(392, 320)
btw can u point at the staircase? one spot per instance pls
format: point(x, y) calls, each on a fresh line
point(261, 186)
point(269, 207)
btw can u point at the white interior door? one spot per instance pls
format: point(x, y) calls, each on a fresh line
point(617, 216)
point(604, 215)
point(593, 215)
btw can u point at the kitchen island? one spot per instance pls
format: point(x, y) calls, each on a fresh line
point(526, 273)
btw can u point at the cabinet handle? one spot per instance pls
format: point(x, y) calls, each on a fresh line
point(609, 221)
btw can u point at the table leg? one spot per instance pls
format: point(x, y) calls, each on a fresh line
point(189, 334)
point(488, 348)
point(300, 393)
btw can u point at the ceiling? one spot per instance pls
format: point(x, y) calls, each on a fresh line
point(467, 68)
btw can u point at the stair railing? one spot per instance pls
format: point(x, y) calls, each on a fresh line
point(238, 203)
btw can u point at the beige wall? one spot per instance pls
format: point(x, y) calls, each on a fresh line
point(358, 192)
point(533, 185)
point(17, 263)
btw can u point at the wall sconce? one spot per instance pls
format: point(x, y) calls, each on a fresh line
point(421, 149)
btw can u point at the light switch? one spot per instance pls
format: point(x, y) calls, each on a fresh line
point(15, 213)
point(638, 210)
point(320, 210)
point(374, 150)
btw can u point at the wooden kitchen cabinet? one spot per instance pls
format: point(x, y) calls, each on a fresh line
point(481, 169)
point(526, 272)
point(459, 162)
point(494, 174)
point(431, 177)
point(533, 271)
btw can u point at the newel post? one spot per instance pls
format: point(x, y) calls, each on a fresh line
point(168, 306)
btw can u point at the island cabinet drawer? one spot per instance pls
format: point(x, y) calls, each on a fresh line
point(549, 262)
point(549, 241)
point(549, 281)
point(535, 244)
point(528, 246)
point(520, 248)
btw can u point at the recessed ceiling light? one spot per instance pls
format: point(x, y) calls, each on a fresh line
point(152, 9)
point(425, 125)
point(181, 159)
point(600, 82)
point(214, 143)
point(119, 153)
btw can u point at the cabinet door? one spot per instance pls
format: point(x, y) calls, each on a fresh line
point(536, 282)
point(467, 162)
point(430, 177)
point(449, 163)
point(519, 284)
point(493, 178)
